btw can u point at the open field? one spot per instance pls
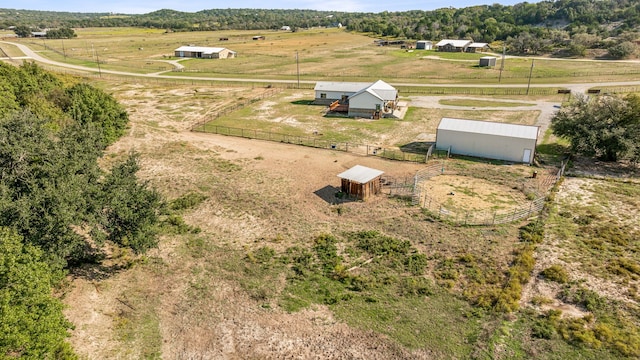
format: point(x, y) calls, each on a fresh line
point(327, 54)
point(265, 260)
point(259, 259)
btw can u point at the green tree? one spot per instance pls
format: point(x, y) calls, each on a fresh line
point(32, 325)
point(22, 31)
point(92, 106)
point(62, 33)
point(622, 50)
point(606, 127)
point(131, 208)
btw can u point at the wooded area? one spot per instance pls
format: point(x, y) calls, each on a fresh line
point(57, 206)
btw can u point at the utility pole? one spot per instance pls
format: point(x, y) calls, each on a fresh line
point(95, 53)
point(298, 69)
point(502, 63)
point(530, 73)
point(63, 52)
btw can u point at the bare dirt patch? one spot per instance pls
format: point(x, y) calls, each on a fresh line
point(467, 193)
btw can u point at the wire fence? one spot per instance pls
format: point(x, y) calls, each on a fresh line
point(539, 187)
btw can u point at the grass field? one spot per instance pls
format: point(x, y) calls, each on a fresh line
point(327, 54)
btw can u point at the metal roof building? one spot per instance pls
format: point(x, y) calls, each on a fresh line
point(361, 182)
point(486, 139)
point(204, 52)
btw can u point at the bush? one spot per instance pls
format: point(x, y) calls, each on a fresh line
point(187, 201)
point(416, 263)
point(412, 286)
point(532, 233)
point(555, 273)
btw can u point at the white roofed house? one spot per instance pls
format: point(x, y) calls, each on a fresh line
point(370, 100)
point(486, 139)
point(373, 101)
point(202, 52)
point(449, 45)
point(477, 47)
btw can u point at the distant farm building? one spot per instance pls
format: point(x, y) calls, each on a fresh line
point(358, 99)
point(424, 45)
point(361, 182)
point(487, 61)
point(448, 45)
point(477, 47)
point(201, 52)
point(485, 139)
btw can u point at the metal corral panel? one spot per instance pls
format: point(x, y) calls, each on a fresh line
point(360, 174)
point(486, 139)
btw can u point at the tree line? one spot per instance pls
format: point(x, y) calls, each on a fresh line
point(58, 207)
point(539, 27)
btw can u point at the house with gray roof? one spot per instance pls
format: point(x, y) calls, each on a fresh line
point(486, 139)
point(450, 45)
point(357, 99)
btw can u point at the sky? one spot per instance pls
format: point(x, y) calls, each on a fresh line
point(146, 6)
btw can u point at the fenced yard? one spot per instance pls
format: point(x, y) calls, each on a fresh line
point(316, 142)
point(537, 190)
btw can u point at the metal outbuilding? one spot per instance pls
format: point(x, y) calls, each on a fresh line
point(486, 139)
point(361, 182)
point(203, 52)
point(424, 45)
point(487, 61)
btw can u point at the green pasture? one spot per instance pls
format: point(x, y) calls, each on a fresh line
point(317, 54)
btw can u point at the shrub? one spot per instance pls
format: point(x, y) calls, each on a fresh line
point(555, 273)
point(415, 286)
point(532, 233)
point(416, 263)
point(187, 201)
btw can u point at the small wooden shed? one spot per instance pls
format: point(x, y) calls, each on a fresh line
point(361, 182)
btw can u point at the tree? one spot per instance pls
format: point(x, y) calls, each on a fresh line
point(131, 208)
point(32, 325)
point(92, 106)
point(22, 31)
point(606, 127)
point(622, 50)
point(62, 33)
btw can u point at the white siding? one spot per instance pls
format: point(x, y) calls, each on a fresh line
point(508, 142)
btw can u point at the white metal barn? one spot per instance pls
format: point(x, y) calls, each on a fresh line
point(492, 140)
point(203, 52)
